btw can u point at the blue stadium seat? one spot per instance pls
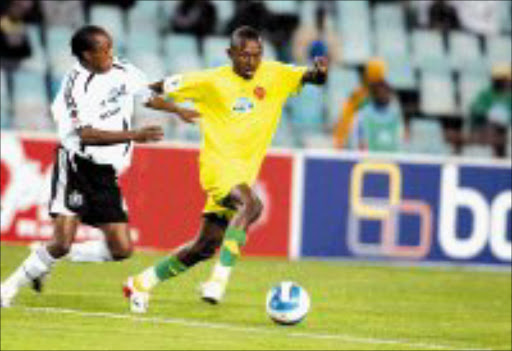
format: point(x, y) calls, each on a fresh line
point(181, 53)
point(428, 51)
point(147, 15)
point(30, 103)
point(5, 118)
point(283, 7)
point(478, 151)
point(499, 49)
point(283, 136)
point(307, 110)
point(354, 28)
point(437, 94)
point(401, 74)
point(341, 83)
point(469, 87)
point(225, 11)
point(307, 13)
point(389, 17)
point(59, 54)
point(465, 54)
point(427, 137)
point(110, 18)
point(37, 61)
point(215, 51)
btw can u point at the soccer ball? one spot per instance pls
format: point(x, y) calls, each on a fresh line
point(287, 303)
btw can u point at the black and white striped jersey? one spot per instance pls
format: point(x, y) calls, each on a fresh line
point(102, 101)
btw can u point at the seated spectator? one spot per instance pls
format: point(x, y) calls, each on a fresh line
point(380, 125)
point(249, 13)
point(320, 40)
point(195, 17)
point(491, 111)
point(14, 41)
point(443, 16)
point(375, 73)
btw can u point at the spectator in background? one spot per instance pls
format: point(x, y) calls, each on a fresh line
point(195, 17)
point(14, 41)
point(380, 125)
point(491, 111)
point(249, 13)
point(320, 40)
point(443, 16)
point(375, 73)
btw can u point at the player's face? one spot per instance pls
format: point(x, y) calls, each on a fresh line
point(246, 58)
point(101, 57)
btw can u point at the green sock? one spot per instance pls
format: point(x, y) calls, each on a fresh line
point(169, 267)
point(230, 250)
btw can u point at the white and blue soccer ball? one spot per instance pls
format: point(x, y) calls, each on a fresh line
point(287, 303)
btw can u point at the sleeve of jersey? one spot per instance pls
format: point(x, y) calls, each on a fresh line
point(291, 78)
point(70, 104)
point(182, 87)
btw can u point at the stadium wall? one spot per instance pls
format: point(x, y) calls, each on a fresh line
point(317, 204)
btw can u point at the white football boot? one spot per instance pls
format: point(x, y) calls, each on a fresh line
point(139, 300)
point(7, 296)
point(213, 291)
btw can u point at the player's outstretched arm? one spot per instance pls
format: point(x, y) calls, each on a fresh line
point(318, 74)
point(159, 103)
point(93, 136)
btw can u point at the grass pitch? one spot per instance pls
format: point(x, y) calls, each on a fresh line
point(354, 306)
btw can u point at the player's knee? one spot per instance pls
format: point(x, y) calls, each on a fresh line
point(59, 248)
point(254, 209)
point(122, 252)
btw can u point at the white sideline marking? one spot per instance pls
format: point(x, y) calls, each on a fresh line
point(232, 327)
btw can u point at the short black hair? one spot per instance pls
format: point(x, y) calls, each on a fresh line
point(242, 34)
point(83, 39)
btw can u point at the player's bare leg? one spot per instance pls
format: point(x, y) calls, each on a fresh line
point(116, 246)
point(249, 209)
point(210, 237)
point(41, 260)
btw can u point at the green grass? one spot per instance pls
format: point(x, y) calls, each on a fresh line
point(354, 306)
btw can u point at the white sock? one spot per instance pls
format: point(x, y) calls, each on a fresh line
point(221, 273)
point(147, 280)
point(36, 265)
point(90, 251)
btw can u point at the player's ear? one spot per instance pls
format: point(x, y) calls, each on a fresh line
point(229, 52)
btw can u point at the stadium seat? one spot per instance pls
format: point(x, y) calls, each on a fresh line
point(144, 51)
point(391, 44)
point(58, 49)
point(283, 7)
point(499, 49)
point(428, 51)
point(5, 120)
point(215, 51)
point(341, 83)
point(181, 53)
point(307, 13)
point(30, 106)
point(401, 74)
point(427, 137)
point(479, 151)
point(465, 54)
point(37, 60)
point(283, 136)
point(437, 94)
point(469, 87)
point(307, 110)
point(144, 15)
point(111, 18)
point(389, 17)
point(225, 11)
point(354, 28)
